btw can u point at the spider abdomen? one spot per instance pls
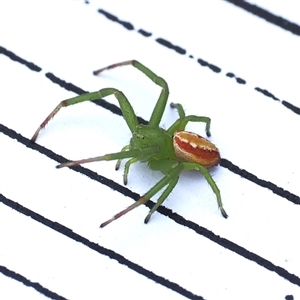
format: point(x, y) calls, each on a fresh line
point(191, 147)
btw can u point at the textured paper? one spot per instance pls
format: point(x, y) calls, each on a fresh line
point(237, 64)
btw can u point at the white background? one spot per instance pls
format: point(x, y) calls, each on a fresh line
point(71, 39)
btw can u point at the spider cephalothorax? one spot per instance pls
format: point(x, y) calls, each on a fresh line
point(169, 151)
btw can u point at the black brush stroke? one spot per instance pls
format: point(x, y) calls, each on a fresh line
point(113, 18)
point(169, 45)
point(163, 210)
point(35, 285)
point(238, 79)
point(144, 32)
point(266, 93)
point(266, 15)
point(99, 249)
point(20, 60)
point(204, 63)
point(292, 107)
point(261, 182)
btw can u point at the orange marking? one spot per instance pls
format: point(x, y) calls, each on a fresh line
point(191, 147)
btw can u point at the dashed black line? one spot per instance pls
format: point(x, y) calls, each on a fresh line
point(251, 8)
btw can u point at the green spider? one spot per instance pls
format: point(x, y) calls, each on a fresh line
point(169, 151)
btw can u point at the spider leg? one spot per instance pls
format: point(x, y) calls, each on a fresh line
point(126, 168)
point(127, 165)
point(169, 177)
point(125, 211)
point(209, 179)
point(162, 198)
point(136, 153)
point(126, 108)
point(163, 98)
point(126, 148)
point(179, 108)
point(181, 123)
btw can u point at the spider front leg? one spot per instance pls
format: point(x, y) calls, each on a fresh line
point(163, 98)
point(127, 165)
point(126, 168)
point(135, 153)
point(126, 108)
point(126, 148)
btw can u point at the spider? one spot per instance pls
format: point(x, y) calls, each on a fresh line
point(168, 151)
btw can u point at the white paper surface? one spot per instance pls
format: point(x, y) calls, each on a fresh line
point(228, 63)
